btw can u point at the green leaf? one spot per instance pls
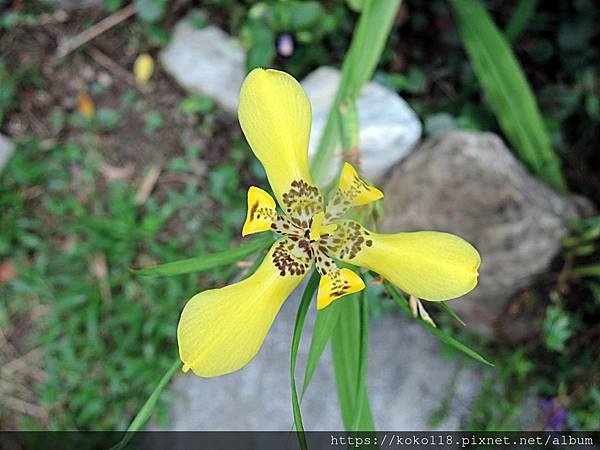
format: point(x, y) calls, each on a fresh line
point(293, 16)
point(146, 412)
point(359, 64)
point(361, 382)
point(345, 350)
point(401, 301)
point(518, 20)
point(151, 10)
point(557, 328)
point(206, 262)
point(307, 297)
point(262, 48)
point(593, 270)
point(324, 325)
point(451, 312)
point(509, 94)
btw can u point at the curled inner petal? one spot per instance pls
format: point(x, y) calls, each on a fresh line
point(221, 330)
point(262, 215)
point(352, 191)
point(335, 282)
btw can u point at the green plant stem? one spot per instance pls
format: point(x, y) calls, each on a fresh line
point(359, 64)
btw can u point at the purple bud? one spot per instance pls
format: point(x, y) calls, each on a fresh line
point(285, 45)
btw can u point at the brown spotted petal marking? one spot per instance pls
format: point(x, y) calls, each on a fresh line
point(302, 202)
point(292, 256)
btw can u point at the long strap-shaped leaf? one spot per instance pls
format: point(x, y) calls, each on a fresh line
point(307, 297)
point(207, 262)
point(507, 89)
point(322, 330)
point(346, 352)
point(146, 412)
point(359, 64)
point(401, 301)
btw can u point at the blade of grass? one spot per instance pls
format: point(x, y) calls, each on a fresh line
point(345, 348)
point(359, 64)
point(509, 94)
point(519, 18)
point(324, 325)
point(451, 312)
point(307, 297)
point(401, 301)
point(146, 412)
point(206, 262)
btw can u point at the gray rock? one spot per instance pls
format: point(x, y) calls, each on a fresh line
point(6, 151)
point(206, 62)
point(408, 380)
point(389, 128)
point(470, 184)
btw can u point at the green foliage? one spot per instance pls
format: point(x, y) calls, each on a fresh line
point(307, 21)
point(325, 323)
point(557, 328)
point(151, 10)
point(563, 364)
point(147, 409)
point(101, 324)
point(197, 105)
point(358, 67)
point(349, 359)
point(507, 89)
point(441, 335)
point(209, 261)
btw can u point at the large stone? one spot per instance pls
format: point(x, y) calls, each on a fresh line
point(6, 151)
point(408, 381)
point(470, 184)
point(206, 62)
point(389, 128)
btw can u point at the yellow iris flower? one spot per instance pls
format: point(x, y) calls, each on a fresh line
point(221, 330)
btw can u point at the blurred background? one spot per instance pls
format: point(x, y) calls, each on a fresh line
point(109, 161)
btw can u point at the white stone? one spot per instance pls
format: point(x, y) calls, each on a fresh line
point(6, 151)
point(207, 62)
point(389, 128)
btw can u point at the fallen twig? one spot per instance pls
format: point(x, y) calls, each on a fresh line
point(147, 185)
point(106, 62)
point(64, 48)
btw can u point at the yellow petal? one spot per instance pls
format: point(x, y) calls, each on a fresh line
point(354, 187)
point(143, 68)
point(275, 116)
point(430, 265)
point(86, 107)
point(317, 229)
point(261, 211)
point(352, 191)
point(221, 330)
point(336, 284)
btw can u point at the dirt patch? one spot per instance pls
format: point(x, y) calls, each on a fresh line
point(102, 69)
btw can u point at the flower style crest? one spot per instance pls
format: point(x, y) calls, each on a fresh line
point(221, 330)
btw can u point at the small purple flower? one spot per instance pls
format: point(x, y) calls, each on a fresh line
point(553, 414)
point(285, 45)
